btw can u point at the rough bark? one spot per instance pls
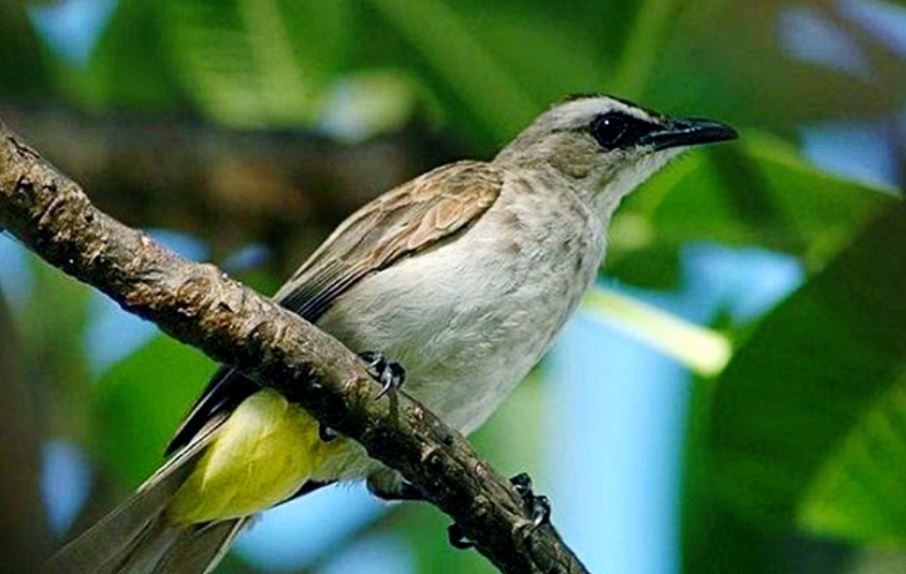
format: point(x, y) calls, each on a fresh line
point(199, 305)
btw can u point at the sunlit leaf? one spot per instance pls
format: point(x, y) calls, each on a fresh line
point(702, 350)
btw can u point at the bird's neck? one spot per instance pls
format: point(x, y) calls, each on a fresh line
point(599, 201)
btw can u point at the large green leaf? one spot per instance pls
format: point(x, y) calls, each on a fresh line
point(808, 422)
point(758, 192)
point(139, 402)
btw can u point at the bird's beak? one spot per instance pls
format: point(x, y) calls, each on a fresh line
point(688, 132)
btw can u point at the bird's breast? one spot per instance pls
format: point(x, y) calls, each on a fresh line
point(469, 318)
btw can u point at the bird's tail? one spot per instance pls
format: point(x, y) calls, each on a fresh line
point(138, 537)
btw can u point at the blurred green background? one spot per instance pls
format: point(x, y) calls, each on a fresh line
point(732, 396)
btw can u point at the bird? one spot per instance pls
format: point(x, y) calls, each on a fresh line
point(453, 284)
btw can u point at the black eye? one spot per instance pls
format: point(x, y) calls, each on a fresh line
point(610, 129)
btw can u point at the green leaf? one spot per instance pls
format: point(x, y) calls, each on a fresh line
point(654, 23)
point(23, 60)
point(139, 402)
point(725, 60)
point(461, 62)
point(128, 68)
point(251, 63)
point(51, 323)
point(808, 421)
point(758, 192)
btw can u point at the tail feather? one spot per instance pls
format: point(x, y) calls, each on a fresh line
point(109, 541)
point(199, 551)
point(138, 526)
point(149, 548)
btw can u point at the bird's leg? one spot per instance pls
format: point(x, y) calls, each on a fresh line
point(539, 506)
point(458, 538)
point(325, 433)
point(390, 374)
point(402, 490)
point(394, 491)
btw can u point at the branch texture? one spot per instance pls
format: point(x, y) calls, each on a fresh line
point(199, 305)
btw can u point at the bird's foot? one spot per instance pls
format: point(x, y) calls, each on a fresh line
point(326, 434)
point(458, 538)
point(538, 506)
point(404, 490)
point(390, 374)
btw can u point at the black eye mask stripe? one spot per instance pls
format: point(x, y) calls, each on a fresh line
point(619, 130)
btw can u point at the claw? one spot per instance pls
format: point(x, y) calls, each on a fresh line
point(538, 506)
point(327, 434)
point(522, 482)
point(390, 374)
point(458, 538)
point(541, 511)
point(405, 490)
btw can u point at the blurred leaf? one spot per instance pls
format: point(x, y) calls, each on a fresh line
point(758, 192)
point(511, 446)
point(139, 402)
point(52, 324)
point(809, 418)
point(255, 62)
point(368, 104)
point(550, 52)
point(725, 59)
point(23, 70)
point(21, 541)
point(653, 25)
point(714, 541)
point(128, 68)
point(462, 62)
point(702, 350)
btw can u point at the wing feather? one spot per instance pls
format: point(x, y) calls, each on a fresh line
point(403, 222)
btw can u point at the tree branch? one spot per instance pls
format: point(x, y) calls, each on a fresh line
point(199, 305)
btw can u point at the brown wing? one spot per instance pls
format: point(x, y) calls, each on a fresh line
point(408, 219)
point(402, 222)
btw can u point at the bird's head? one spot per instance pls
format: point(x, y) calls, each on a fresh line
point(606, 146)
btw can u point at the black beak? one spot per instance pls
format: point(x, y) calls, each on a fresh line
point(688, 132)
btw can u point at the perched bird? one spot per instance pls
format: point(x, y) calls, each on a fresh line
point(457, 281)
